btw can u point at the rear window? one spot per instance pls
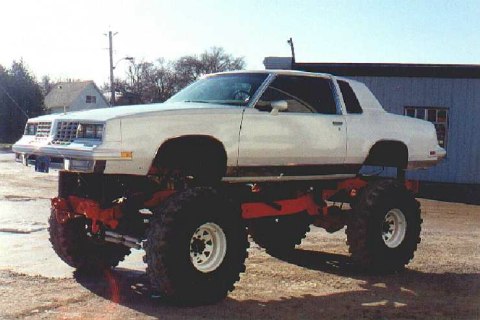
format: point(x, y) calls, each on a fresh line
point(349, 97)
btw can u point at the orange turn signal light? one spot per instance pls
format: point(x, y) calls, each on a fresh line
point(126, 154)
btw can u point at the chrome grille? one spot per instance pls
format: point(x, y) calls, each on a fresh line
point(43, 130)
point(66, 132)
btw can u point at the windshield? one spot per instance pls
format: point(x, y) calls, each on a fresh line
point(230, 89)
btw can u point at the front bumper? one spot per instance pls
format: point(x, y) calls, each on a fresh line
point(31, 159)
point(74, 151)
point(76, 158)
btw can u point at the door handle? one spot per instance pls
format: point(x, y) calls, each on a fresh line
point(337, 123)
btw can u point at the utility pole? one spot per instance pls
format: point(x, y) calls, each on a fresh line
point(290, 42)
point(110, 49)
point(112, 66)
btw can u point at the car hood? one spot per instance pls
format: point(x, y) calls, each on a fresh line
point(105, 114)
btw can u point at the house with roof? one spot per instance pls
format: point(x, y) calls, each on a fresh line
point(74, 96)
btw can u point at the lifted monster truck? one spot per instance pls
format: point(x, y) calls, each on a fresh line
point(267, 153)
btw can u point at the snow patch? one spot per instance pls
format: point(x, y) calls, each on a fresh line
point(21, 227)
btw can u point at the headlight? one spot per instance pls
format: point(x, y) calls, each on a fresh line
point(90, 131)
point(30, 129)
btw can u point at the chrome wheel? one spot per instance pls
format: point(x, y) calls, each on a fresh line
point(208, 247)
point(394, 228)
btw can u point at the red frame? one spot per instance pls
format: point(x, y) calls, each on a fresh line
point(254, 210)
point(75, 206)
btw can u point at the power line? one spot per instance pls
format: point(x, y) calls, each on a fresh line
point(14, 101)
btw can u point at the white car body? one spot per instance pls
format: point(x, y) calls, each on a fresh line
point(252, 139)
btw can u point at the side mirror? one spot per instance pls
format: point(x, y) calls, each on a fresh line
point(277, 106)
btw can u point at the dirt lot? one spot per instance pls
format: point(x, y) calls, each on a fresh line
point(442, 282)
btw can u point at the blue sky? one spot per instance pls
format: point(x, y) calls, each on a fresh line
point(66, 39)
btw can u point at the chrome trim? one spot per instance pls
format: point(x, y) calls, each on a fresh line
point(272, 76)
point(338, 96)
point(298, 170)
point(286, 178)
point(23, 158)
point(261, 90)
point(79, 165)
point(86, 154)
point(43, 130)
point(65, 132)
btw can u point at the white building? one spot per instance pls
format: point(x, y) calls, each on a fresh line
point(74, 96)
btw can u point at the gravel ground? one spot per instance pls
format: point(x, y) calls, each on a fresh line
point(442, 282)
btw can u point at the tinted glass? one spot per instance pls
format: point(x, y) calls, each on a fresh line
point(349, 97)
point(230, 89)
point(303, 94)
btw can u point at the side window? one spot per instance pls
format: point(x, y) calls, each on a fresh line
point(303, 95)
point(349, 97)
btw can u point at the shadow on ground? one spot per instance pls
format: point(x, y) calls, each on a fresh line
point(410, 294)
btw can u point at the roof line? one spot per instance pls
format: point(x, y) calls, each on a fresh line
point(461, 71)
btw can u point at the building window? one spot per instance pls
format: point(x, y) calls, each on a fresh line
point(437, 116)
point(91, 99)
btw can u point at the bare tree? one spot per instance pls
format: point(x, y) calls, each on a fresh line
point(165, 81)
point(149, 82)
point(190, 68)
point(217, 60)
point(187, 69)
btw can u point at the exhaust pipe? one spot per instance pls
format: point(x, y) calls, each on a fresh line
point(128, 241)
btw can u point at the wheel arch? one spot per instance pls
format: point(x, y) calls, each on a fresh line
point(388, 153)
point(190, 148)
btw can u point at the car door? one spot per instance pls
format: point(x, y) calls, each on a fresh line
point(307, 139)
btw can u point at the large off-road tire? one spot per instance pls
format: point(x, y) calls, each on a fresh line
point(72, 244)
point(196, 247)
point(279, 235)
point(384, 228)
